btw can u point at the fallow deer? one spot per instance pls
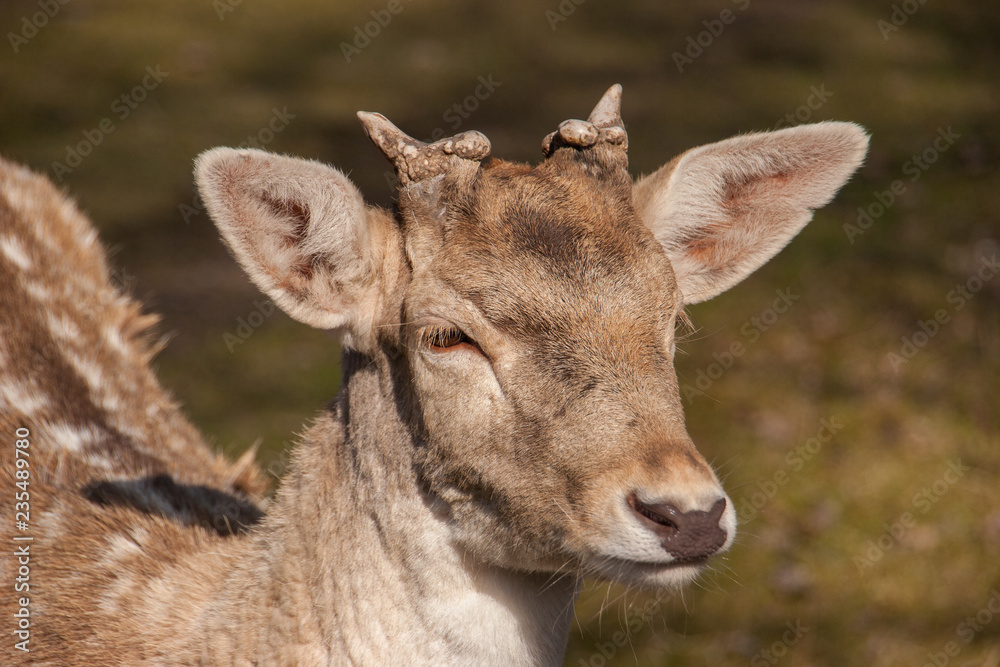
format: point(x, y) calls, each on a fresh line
point(509, 420)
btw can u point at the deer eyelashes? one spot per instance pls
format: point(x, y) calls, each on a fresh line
point(443, 338)
point(447, 338)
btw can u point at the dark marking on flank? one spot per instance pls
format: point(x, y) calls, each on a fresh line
point(217, 511)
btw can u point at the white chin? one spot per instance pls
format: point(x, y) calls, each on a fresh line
point(649, 575)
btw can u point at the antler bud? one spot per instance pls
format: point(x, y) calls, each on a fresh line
point(415, 160)
point(603, 126)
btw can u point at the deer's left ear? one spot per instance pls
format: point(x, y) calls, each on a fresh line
point(303, 234)
point(723, 210)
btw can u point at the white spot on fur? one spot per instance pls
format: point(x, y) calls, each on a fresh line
point(113, 337)
point(44, 238)
point(120, 587)
point(111, 403)
point(159, 594)
point(14, 251)
point(20, 398)
point(100, 462)
point(89, 370)
point(38, 291)
point(72, 439)
point(63, 328)
point(120, 548)
point(50, 522)
point(133, 432)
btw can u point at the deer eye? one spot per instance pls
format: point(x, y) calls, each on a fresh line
point(447, 339)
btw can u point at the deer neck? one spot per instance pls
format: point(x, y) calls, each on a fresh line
point(364, 558)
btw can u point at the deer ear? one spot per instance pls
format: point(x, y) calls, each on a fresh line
point(301, 231)
point(722, 210)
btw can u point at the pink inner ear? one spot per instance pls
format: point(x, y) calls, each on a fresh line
point(296, 277)
point(297, 211)
point(739, 195)
point(704, 247)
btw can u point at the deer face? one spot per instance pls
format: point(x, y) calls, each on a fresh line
point(540, 337)
point(534, 309)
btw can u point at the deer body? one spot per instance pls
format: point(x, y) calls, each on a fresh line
point(509, 419)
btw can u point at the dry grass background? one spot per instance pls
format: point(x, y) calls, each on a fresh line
point(807, 553)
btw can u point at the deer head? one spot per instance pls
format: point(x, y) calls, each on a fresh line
point(524, 318)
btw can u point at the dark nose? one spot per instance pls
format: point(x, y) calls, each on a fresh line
point(687, 536)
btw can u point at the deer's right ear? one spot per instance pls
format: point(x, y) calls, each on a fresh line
point(302, 232)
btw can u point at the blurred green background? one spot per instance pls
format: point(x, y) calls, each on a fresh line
point(867, 484)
